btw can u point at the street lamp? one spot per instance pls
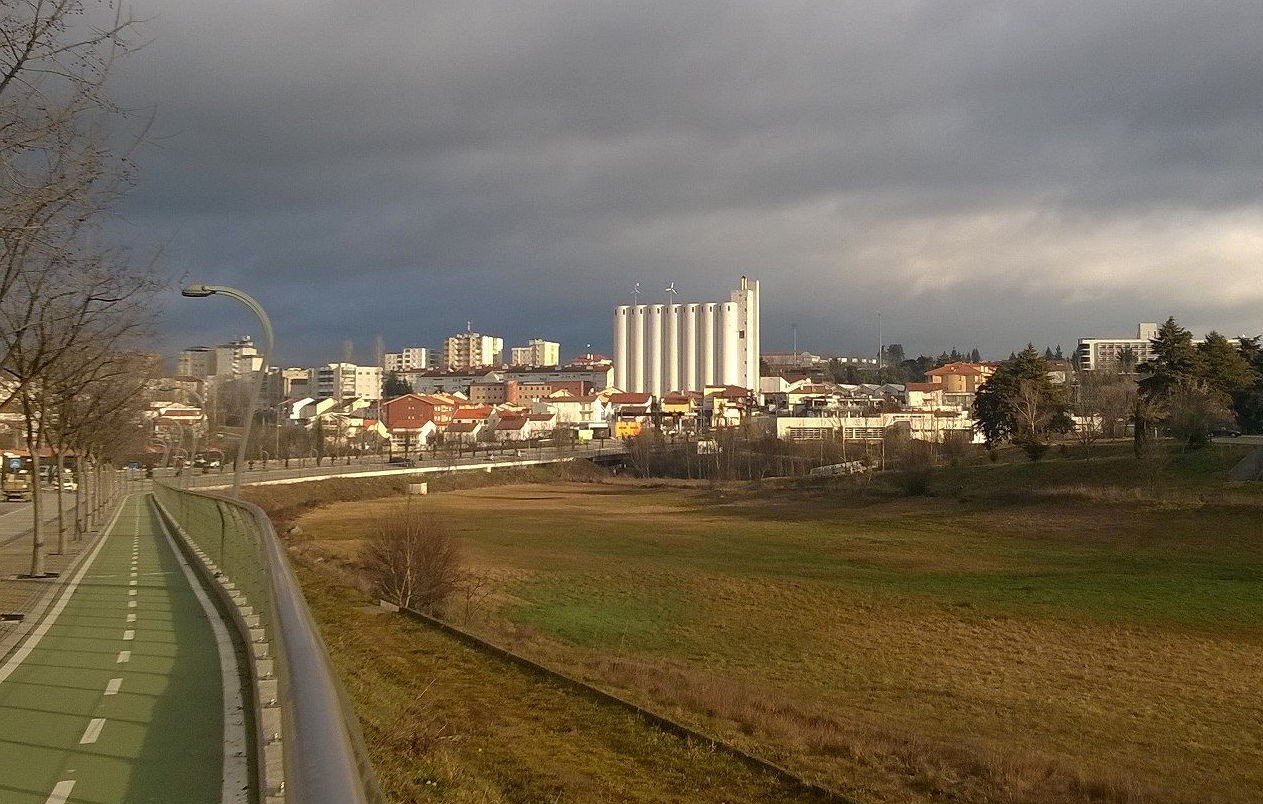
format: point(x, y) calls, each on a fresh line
point(202, 291)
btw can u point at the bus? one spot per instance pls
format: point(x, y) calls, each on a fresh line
point(15, 476)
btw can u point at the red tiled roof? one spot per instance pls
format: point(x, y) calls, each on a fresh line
point(923, 386)
point(510, 424)
point(629, 398)
point(462, 427)
point(962, 369)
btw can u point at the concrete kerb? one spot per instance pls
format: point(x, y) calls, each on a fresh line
point(270, 755)
point(601, 696)
point(13, 636)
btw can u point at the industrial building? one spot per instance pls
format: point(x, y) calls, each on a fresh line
point(686, 347)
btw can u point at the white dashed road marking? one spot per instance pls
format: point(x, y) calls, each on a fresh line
point(94, 731)
point(131, 618)
point(129, 634)
point(61, 793)
point(113, 687)
point(124, 656)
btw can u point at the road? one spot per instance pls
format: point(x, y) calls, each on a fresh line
point(526, 456)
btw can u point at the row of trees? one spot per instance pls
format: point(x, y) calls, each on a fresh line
point(1187, 389)
point(73, 310)
point(1194, 388)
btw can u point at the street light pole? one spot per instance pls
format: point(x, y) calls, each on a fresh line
point(202, 291)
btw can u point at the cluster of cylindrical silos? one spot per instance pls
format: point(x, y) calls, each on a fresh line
point(660, 348)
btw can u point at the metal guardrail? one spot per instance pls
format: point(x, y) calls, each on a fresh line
point(323, 753)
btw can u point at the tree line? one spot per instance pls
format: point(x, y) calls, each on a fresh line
point(1187, 390)
point(75, 311)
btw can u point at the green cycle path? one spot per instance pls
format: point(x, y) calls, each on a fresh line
point(128, 690)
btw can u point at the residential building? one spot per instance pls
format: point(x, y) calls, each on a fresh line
point(412, 358)
point(591, 378)
point(411, 411)
point(686, 347)
point(924, 395)
point(591, 360)
point(237, 358)
point(196, 361)
point(960, 381)
point(493, 392)
point(536, 352)
point(469, 350)
point(348, 381)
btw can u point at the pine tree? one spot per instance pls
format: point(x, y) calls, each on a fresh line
point(1175, 362)
point(1019, 403)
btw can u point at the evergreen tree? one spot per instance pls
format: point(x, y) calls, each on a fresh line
point(1248, 402)
point(1175, 362)
point(1048, 353)
point(1194, 386)
point(394, 385)
point(1226, 369)
point(1057, 355)
point(975, 356)
point(1019, 403)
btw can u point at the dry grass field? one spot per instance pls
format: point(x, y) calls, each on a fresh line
point(1074, 630)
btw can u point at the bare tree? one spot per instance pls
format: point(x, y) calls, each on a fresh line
point(412, 559)
point(87, 399)
point(59, 175)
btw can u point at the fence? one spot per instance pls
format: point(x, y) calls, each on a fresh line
point(300, 710)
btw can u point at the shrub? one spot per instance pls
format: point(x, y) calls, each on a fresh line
point(412, 559)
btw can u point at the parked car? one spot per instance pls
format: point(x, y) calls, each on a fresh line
point(69, 484)
point(1225, 432)
point(401, 461)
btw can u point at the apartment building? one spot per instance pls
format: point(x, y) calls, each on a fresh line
point(411, 358)
point(196, 361)
point(536, 352)
point(348, 381)
point(468, 350)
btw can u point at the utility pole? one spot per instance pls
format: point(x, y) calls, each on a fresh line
point(879, 347)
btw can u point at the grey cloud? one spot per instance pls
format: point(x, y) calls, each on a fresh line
point(523, 164)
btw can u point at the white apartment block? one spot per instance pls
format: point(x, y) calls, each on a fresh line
point(412, 358)
point(1100, 353)
point(196, 361)
point(239, 358)
point(348, 381)
point(536, 352)
point(472, 350)
point(686, 347)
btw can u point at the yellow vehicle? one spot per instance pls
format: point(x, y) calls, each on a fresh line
point(15, 478)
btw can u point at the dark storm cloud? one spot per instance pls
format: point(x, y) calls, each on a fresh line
point(984, 173)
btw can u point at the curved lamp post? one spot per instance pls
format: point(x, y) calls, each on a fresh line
point(201, 291)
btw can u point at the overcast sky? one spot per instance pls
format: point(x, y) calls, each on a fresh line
point(983, 174)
